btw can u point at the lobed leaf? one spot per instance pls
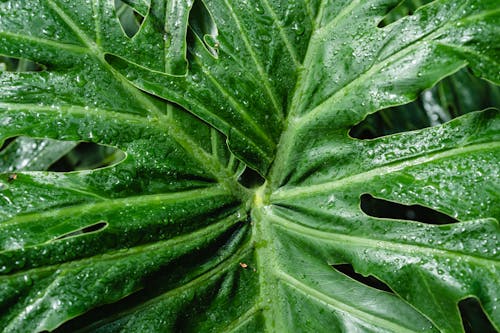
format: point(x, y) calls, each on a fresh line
point(169, 238)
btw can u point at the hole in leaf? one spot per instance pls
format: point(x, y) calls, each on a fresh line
point(130, 20)
point(30, 154)
point(387, 209)
point(473, 317)
point(251, 178)
point(405, 8)
point(203, 27)
point(6, 143)
point(33, 154)
point(88, 156)
point(8, 64)
point(454, 96)
point(370, 280)
point(140, 6)
point(88, 229)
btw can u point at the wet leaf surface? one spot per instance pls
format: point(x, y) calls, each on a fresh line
point(235, 204)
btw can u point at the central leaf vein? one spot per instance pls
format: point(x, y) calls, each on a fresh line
point(265, 79)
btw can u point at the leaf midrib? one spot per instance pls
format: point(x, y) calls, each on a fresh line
point(81, 110)
point(296, 121)
point(116, 254)
point(260, 69)
point(375, 243)
point(297, 92)
point(362, 177)
point(214, 166)
point(215, 271)
point(283, 35)
point(340, 305)
point(64, 46)
point(218, 269)
point(428, 36)
point(432, 295)
point(238, 107)
point(133, 201)
point(243, 319)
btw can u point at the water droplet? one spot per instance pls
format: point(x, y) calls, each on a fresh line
point(265, 38)
point(195, 78)
point(298, 29)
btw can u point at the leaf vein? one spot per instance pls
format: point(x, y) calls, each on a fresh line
point(294, 192)
point(262, 73)
point(374, 243)
point(340, 305)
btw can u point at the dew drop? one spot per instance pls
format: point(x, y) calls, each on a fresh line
point(298, 29)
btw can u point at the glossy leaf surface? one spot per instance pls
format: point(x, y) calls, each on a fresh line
point(169, 238)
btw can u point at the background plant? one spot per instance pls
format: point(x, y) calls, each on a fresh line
point(180, 233)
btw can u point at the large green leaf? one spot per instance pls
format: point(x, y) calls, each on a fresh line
point(170, 240)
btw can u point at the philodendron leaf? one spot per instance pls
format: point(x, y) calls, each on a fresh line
point(169, 239)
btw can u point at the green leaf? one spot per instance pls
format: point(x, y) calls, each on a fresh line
point(433, 267)
point(406, 57)
point(170, 239)
point(31, 154)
